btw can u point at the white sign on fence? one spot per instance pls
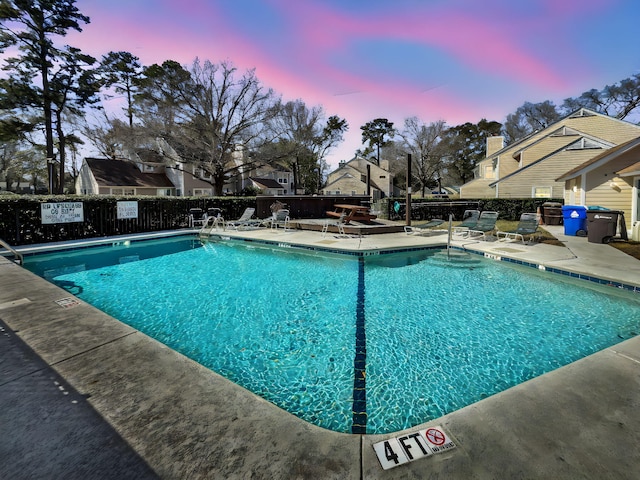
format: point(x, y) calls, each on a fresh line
point(65, 212)
point(127, 210)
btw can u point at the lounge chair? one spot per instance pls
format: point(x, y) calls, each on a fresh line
point(469, 220)
point(245, 220)
point(528, 225)
point(423, 228)
point(486, 223)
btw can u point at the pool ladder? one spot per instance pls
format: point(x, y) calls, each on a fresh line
point(210, 224)
point(18, 258)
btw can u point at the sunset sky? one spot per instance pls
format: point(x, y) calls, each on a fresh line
point(452, 60)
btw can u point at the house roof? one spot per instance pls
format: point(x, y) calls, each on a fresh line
point(630, 170)
point(266, 182)
point(122, 173)
point(549, 155)
point(348, 175)
point(604, 157)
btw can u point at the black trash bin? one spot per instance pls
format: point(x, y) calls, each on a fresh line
point(551, 213)
point(602, 225)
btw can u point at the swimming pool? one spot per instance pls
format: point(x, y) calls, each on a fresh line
point(358, 344)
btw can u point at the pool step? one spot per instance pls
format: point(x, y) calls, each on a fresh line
point(456, 258)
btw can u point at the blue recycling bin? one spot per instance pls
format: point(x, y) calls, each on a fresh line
point(575, 220)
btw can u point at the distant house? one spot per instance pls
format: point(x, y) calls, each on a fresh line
point(270, 180)
point(610, 179)
point(268, 186)
point(357, 176)
point(530, 167)
point(102, 176)
point(157, 169)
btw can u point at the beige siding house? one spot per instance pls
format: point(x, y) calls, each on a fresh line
point(610, 180)
point(530, 167)
point(350, 178)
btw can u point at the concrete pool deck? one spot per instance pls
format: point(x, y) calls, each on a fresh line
point(145, 411)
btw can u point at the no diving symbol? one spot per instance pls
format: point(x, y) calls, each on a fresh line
point(435, 436)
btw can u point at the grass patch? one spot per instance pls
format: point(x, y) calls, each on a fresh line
point(630, 248)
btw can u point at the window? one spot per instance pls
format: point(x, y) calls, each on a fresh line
point(363, 178)
point(201, 192)
point(489, 172)
point(282, 181)
point(201, 173)
point(541, 192)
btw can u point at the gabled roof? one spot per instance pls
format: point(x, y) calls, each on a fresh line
point(551, 154)
point(551, 130)
point(348, 175)
point(600, 159)
point(122, 173)
point(266, 182)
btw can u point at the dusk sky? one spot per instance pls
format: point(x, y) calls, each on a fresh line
point(452, 60)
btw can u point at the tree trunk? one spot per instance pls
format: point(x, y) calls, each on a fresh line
point(46, 101)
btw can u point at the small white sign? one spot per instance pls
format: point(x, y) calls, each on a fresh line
point(127, 210)
point(65, 212)
point(437, 439)
point(412, 446)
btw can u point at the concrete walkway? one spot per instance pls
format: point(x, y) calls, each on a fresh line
point(142, 410)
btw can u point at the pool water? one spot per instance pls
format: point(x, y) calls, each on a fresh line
point(372, 344)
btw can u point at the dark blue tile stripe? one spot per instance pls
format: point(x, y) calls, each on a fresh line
point(360, 360)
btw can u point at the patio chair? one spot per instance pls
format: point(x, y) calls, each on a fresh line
point(339, 224)
point(469, 220)
point(245, 220)
point(424, 228)
point(528, 225)
point(197, 217)
point(486, 223)
point(280, 218)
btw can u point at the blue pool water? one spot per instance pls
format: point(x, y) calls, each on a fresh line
point(371, 344)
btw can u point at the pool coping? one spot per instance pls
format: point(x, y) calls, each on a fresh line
point(112, 364)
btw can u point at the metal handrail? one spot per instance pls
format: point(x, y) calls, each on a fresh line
point(19, 257)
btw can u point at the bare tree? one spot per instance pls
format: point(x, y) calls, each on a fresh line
point(422, 140)
point(302, 137)
point(206, 113)
point(618, 100)
point(529, 118)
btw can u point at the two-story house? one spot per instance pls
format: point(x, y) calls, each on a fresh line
point(357, 176)
point(531, 167)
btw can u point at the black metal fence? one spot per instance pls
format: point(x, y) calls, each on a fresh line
point(21, 217)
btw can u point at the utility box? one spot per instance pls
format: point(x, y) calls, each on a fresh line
point(635, 232)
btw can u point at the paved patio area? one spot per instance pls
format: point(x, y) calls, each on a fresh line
point(84, 396)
